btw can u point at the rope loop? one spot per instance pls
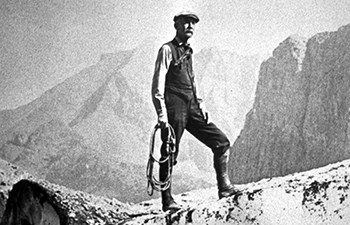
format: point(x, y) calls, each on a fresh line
point(153, 182)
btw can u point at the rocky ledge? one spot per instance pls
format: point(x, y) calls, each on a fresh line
point(319, 196)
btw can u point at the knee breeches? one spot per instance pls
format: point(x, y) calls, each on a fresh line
point(184, 113)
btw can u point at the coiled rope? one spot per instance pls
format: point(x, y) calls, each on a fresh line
point(170, 148)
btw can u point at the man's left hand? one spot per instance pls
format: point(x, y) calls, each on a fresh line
point(206, 117)
point(205, 113)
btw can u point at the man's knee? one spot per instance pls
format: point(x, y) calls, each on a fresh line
point(220, 150)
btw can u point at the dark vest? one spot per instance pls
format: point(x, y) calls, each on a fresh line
point(179, 78)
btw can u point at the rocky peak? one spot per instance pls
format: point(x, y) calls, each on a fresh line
point(291, 49)
point(300, 115)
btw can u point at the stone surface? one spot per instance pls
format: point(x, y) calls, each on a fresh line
point(300, 116)
point(315, 197)
point(30, 200)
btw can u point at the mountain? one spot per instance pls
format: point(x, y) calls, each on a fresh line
point(91, 132)
point(227, 82)
point(300, 116)
point(315, 197)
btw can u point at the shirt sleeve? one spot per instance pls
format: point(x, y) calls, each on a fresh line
point(158, 83)
point(198, 93)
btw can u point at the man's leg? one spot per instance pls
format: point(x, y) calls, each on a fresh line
point(167, 200)
point(225, 188)
point(214, 138)
point(177, 114)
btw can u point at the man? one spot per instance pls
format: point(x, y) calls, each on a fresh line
point(174, 96)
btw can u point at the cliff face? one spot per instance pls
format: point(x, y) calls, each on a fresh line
point(300, 116)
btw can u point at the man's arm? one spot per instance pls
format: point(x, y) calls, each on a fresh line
point(200, 100)
point(158, 83)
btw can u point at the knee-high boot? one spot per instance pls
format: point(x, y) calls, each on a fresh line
point(168, 202)
point(225, 188)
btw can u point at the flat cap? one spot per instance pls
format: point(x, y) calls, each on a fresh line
point(186, 14)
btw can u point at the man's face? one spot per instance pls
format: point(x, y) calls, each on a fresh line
point(185, 27)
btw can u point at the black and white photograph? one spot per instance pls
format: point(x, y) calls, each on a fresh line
point(174, 112)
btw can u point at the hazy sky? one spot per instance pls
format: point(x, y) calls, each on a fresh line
point(42, 42)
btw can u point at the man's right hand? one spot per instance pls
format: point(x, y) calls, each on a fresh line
point(163, 121)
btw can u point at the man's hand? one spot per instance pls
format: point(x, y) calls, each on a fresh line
point(205, 113)
point(163, 121)
point(206, 116)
